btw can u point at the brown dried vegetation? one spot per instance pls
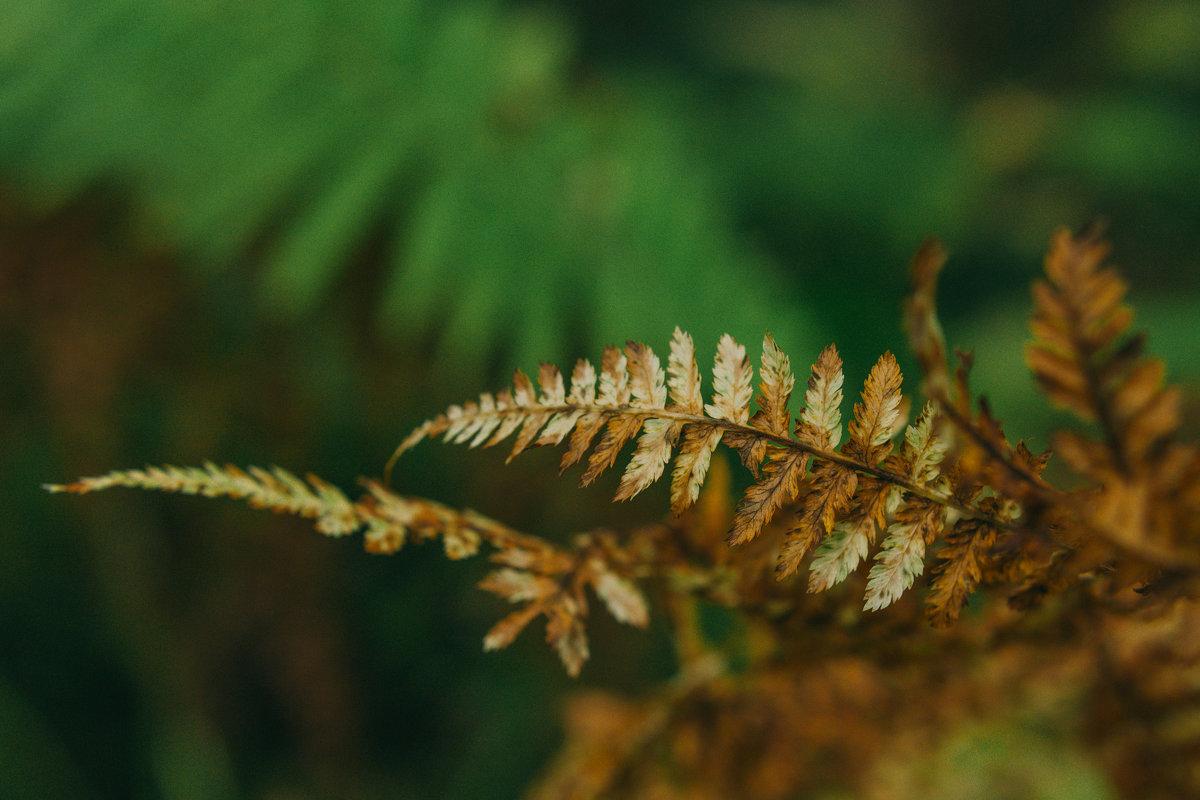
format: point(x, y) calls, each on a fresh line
point(1116, 553)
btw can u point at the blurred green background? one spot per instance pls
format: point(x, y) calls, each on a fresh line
point(287, 232)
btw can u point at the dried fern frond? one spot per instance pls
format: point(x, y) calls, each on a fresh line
point(1085, 358)
point(843, 494)
point(985, 453)
point(276, 490)
point(555, 588)
point(960, 564)
point(921, 323)
point(824, 489)
point(550, 580)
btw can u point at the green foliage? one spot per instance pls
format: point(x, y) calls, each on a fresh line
point(510, 203)
point(537, 176)
point(526, 187)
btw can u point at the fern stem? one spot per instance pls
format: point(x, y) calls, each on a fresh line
point(684, 418)
point(1044, 489)
point(902, 481)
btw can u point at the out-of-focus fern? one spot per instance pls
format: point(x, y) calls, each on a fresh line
point(475, 144)
point(514, 206)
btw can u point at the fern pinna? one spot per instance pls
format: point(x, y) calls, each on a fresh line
point(818, 492)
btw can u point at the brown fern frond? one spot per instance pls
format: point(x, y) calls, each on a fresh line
point(621, 414)
point(275, 490)
point(921, 322)
point(555, 586)
point(548, 579)
point(844, 495)
point(985, 452)
point(1084, 358)
point(960, 564)
point(387, 519)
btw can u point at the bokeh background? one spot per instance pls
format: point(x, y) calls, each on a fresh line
point(287, 232)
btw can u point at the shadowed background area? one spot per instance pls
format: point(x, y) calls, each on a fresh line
point(287, 232)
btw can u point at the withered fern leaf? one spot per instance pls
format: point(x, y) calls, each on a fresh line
point(955, 484)
point(837, 497)
point(547, 580)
